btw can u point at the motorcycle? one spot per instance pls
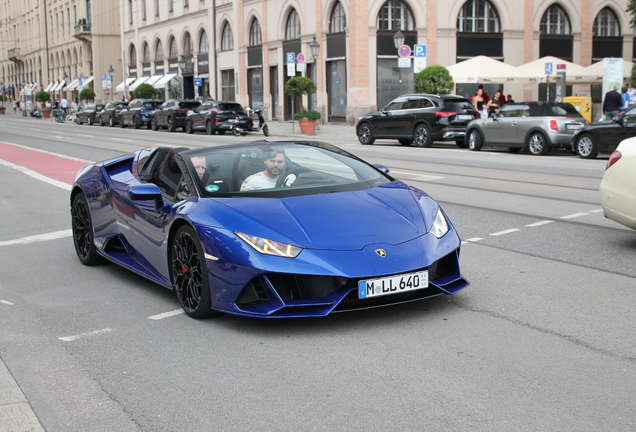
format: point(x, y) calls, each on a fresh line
point(241, 125)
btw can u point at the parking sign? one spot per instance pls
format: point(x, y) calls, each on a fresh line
point(419, 54)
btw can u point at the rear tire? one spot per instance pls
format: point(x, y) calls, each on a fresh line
point(422, 136)
point(171, 126)
point(365, 135)
point(586, 147)
point(83, 236)
point(188, 127)
point(111, 121)
point(209, 127)
point(537, 144)
point(101, 122)
point(154, 125)
point(475, 141)
point(265, 130)
point(89, 121)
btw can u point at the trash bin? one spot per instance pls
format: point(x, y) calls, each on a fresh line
point(583, 105)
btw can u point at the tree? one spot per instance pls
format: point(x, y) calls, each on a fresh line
point(434, 80)
point(632, 79)
point(299, 86)
point(144, 91)
point(87, 95)
point(631, 10)
point(42, 96)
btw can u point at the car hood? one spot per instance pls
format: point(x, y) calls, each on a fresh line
point(390, 214)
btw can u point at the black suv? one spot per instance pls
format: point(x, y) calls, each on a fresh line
point(138, 113)
point(89, 114)
point(110, 113)
point(422, 118)
point(172, 114)
point(214, 116)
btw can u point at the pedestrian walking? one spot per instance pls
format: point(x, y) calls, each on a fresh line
point(624, 100)
point(612, 103)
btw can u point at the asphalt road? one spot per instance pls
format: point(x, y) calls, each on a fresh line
point(542, 339)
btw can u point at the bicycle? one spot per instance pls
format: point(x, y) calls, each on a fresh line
point(72, 118)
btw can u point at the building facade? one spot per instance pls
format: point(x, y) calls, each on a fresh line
point(239, 50)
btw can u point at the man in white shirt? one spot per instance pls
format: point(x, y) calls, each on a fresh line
point(267, 178)
point(64, 105)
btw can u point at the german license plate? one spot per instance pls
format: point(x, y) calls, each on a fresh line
point(464, 117)
point(570, 126)
point(392, 284)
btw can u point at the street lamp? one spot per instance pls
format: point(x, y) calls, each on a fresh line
point(398, 39)
point(182, 66)
point(111, 71)
point(314, 47)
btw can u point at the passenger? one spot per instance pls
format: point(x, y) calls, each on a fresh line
point(267, 178)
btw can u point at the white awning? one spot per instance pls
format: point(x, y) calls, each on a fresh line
point(153, 79)
point(59, 86)
point(85, 82)
point(48, 87)
point(137, 83)
point(72, 85)
point(162, 82)
point(121, 86)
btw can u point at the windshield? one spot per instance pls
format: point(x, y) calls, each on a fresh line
point(151, 104)
point(279, 169)
point(458, 105)
point(188, 105)
point(230, 107)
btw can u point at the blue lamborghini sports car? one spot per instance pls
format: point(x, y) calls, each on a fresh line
point(266, 229)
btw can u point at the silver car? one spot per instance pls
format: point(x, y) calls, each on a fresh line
point(534, 126)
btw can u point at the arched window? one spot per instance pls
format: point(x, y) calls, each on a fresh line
point(146, 53)
point(187, 44)
point(227, 41)
point(606, 24)
point(159, 51)
point(338, 20)
point(172, 50)
point(478, 16)
point(133, 55)
point(395, 15)
point(203, 43)
point(255, 33)
point(292, 28)
point(555, 21)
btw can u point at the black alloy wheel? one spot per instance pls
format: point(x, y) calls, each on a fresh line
point(101, 121)
point(365, 135)
point(171, 126)
point(111, 121)
point(89, 121)
point(190, 274)
point(136, 122)
point(422, 136)
point(475, 141)
point(82, 226)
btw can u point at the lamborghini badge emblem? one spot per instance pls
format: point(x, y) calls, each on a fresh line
point(381, 252)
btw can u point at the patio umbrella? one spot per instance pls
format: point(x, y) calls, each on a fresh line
point(482, 69)
point(597, 70)
point(535, 71)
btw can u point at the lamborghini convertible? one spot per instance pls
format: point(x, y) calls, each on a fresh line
point(266, 229)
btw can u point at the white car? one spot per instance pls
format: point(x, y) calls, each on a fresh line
point(618, 187)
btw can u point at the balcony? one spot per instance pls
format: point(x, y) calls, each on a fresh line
point(83, 31)
point(14, 55)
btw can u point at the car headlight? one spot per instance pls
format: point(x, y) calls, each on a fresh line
point(270, 247)
point(440, 226)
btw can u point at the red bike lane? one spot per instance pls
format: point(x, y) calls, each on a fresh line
point(53, 166)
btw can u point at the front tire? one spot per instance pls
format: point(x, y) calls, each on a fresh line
point(586, 147)
point(422, 136)
point(209, 127)
point(101, 122)
point(171, 126)
point(475, 141)
point(537, 144)
point(265, 130)
point(89, 121)
point(365, 135)
point(111, 121)
point(188, 127)
point(154, 125)
point(236, 131)
point(190, 274)
point(121, 122)
point(82, 226)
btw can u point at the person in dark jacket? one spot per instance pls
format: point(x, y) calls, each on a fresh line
point(612, 103)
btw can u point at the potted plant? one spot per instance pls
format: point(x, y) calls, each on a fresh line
point(3, 98)
point(145, 91)
point(307, 120)
point(87, 95)
point(297, 87)
point(42, 97)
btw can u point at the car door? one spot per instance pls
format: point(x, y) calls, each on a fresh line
point(610, 137)
point(502, 129)
point(384, 123)
point(198, 118)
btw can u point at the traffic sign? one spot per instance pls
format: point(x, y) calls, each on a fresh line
point(198, 82)
point(300, 58)
point(548, 68)
point(291, 62)
point(291, 57)
point(404, 51)
point(420, 51)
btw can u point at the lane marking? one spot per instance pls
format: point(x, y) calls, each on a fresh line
point(543, 222)
point(59, 137)
point(575, 215)
point(166, 314)
point(500, 233)
point(38, 238)
point(84, 135)
point(36, 175)
point(121, 139)
point(474, 239)
point(597, 211)
point(83, 335)
point(7, 302)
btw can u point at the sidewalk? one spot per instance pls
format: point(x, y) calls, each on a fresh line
point(330, 133)
point(16, 414)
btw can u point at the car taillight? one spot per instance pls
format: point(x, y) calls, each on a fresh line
point(444, 114)
point(180, 111)
point(216, 120)
point(587, 122)
point(614, 157)
point(554, 125)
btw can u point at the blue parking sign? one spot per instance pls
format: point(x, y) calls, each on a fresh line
point(419, 51)
point(291, 57)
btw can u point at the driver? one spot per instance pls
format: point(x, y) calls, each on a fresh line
point(267, 178)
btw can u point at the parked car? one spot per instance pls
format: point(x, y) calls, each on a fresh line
point(618, 187)
point(110, 113)
point(534, 126)
point(90, 114)
point(138, 113)
point(214, 116)
point(603, 137)
point(172, 114)
point(421, 118)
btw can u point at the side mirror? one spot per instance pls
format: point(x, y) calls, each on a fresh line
point(145, 192)
point(623, 121)
point(494, 116)
point(382, 168)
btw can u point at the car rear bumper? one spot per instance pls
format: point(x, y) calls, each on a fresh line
point(450, 134)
